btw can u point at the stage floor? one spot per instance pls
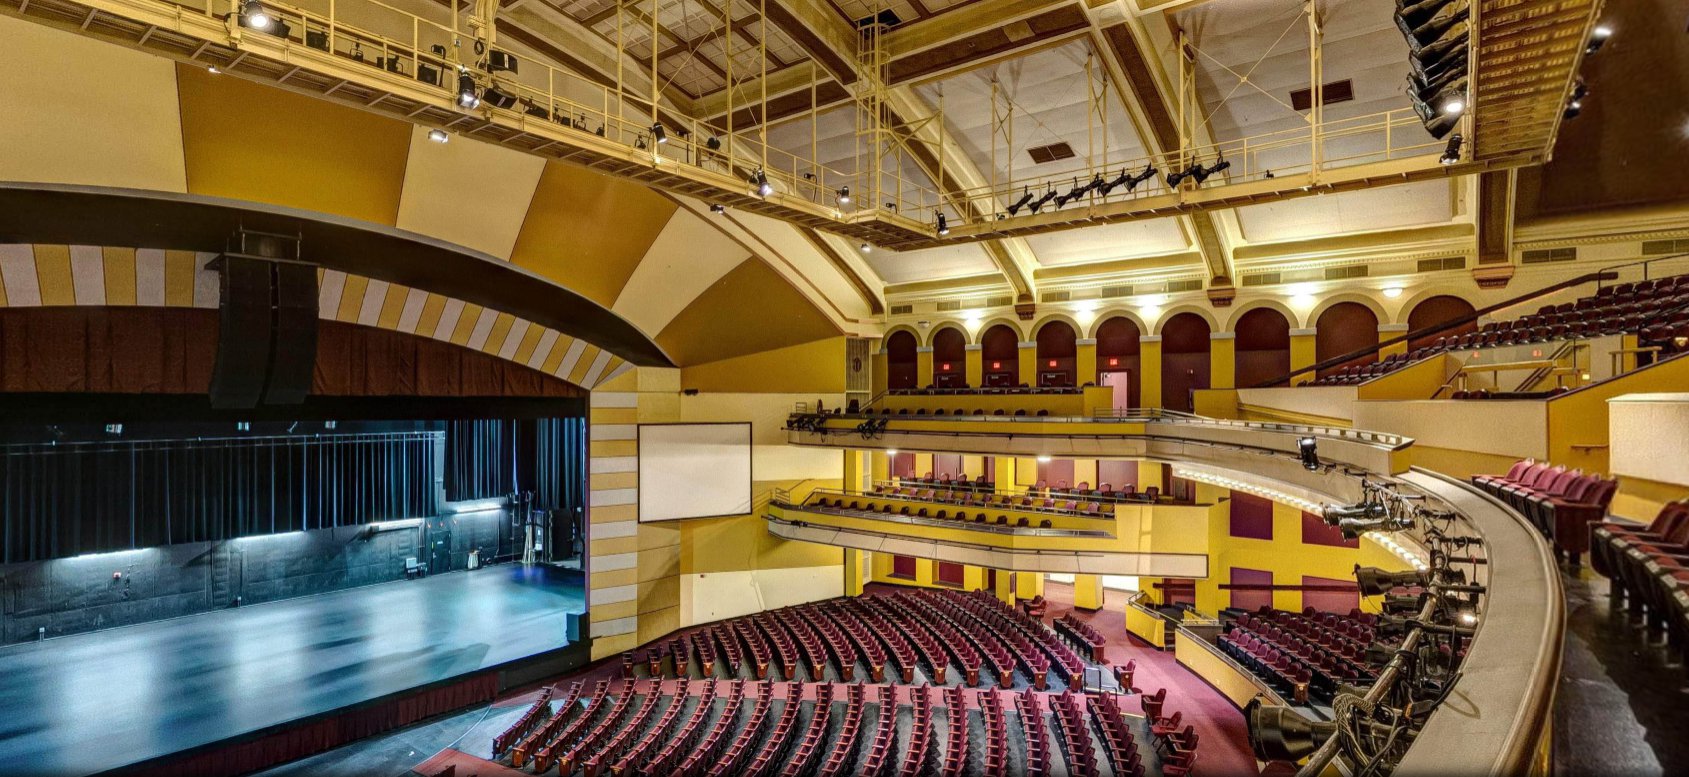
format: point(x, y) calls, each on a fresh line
point(97, 701)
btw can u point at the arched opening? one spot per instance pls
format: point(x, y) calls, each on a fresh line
point(1263, 347)
point(1184, 360)
point(1343, 328)
point(949, 358)
point(901, 370)
point(1436, 310)
point(1058, 354)
point(1000, 351)
point(1118, 364)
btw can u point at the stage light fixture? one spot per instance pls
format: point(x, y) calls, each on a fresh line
point(660, 133)
point(943, 225)
point(438, 135)
point(1025, 197)
point(865, 248)
point(1147, 173)
point(1174, 179)
point(844, 195)
point(498, 98)
point(1598, 38)
point(759, 182)
point(718, 208)
point(1114, 183)
point(1574, 109)
point(1308, 449)
point(466, 95)
point(1401, 605)
point(1445, 19)
point(639, 142)
point(212, 69)
point(1071, 195)
point(1279, 733)
point(1376, 582)
point(1042, 201)
point(1451, 156)
point(713, 144)
point(253, 14)
point(501, 61)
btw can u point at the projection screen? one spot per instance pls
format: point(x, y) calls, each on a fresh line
point(694, 470)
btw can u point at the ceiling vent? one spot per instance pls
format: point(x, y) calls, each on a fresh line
point(999, 302)
point(902, 310)
point(1117, 291)
point(886, 18)
point(1262, 279)
point(1191, 284)
point(1050, 153)
point(1334, 93)
point(1445, 263)
point(1056, 296)
point(1340, 273)
point(1659, 247)
point(945, 306)
point(1546, 255)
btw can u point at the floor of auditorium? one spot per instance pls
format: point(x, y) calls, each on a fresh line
point(1621, 706)
point(97, 701)
point(464, 739)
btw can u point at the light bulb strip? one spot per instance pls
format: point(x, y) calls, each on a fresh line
point(1234, 484)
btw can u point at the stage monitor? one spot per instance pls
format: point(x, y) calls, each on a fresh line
point(694, 471)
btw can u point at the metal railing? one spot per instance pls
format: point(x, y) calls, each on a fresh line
point(915, 520)
point(1133, 415)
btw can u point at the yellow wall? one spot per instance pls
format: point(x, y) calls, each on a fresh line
point(1302, 354)
point(973, 361)
point(1029, 366)
point(1086, 364)
point(1149, 362)
point(1222, 362)
point(817, 366)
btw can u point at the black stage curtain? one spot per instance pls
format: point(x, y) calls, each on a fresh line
point(72, 499)
point(489, 459)
point(559, 480)
point(480, 459)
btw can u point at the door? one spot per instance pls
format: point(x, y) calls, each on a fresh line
point(1121, 382)
point(439, 551)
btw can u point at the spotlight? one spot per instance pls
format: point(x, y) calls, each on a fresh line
point(1451, 156)
point(759, 182)
point(1308, 449)
point(865, 248)
point(1401, 605)
point(1598, 38)
point(1114, 183)
point(1042, 201)
point(844, 195)
point(498, 99)
point(438, 135)
point(1070, 196)
point(1353, 528)
point(254, 15)
point(713, 144)
point(1221, 166)
point(718, 208)
point(466, 95)
point(1148, 172)
point(1375, 582)
point(943, 225)
point(1282, 734)
point(1174, 179)
point(639, 142)
point(1574, 109)
point(501, 61)
point(1025, 197)
point(658, 132)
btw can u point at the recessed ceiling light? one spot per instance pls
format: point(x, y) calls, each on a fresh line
point(438, 135)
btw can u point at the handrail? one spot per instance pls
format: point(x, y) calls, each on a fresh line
point(1135, 415)
point(916, 520)
point(1338, 361)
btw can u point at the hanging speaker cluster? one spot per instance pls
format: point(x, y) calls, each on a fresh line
point(267, 310)
point(1438, 34)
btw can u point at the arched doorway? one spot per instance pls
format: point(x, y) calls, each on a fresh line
point(1000, 351)
point(1184, 360)
point(902, 371)
point(1118, 363)
point(949, 358)
point(1263, 347)
point(1058, 354)
point(1436, 310)
point(1343, 328)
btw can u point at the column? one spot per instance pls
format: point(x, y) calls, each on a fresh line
point(923, 366)
point(1222, 360)
point(856, 571)
point(1085, 365)
point(1029, 584)
point(1005, 474)
point(923, 465)
point(879, 464)
point(1085, 471)
point(1029, 362)
point(1149, 363)
point(1302, 353)
point(974, 365)
point(882, 381)
point(1391, 332)
point(1005, 586)
point(1088, 592)
point(853, 460)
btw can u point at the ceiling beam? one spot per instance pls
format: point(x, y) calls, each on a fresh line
point(578, 48)
point(1496, 200)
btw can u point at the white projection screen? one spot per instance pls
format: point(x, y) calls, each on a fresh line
point(694, 471)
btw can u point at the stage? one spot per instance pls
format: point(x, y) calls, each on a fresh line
point(98, 701)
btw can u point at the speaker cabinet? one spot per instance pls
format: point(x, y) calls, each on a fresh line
point(294, 352)
point(243, 343)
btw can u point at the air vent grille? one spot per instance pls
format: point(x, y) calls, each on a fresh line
point(1445, 263)
point(1056, 296)
point(1117, 291)
point(999, 302)
point(902, 310)
point(1263, 279)
point(1546, 255)
point(1351, 271)
point(1050, 153)
point(945, 306)
point(1658, 247)
point(1333, 93)
point(1191, 284)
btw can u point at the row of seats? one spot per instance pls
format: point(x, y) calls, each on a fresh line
point(1488, 394)
point(1649, 567)
point(1656, 309)
point(1017, 412)
point(935, 390)
point(1120, 747)
point(1082, 634)
point(973, 493)
point(1092, 508)
point(1301, 655)
point(889, 507)
point(1177, 746)
point(1560, 502)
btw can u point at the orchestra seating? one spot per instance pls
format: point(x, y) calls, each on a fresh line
point(902, 637)
point(1302, 655)
point(751, 727)
point(1560, 502)
point(1022, 389)
point(1657, 310)
point(1649, 568)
